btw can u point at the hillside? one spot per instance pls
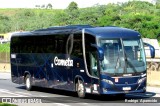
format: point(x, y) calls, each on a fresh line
point(137, 15)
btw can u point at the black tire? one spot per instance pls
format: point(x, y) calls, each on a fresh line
point(28, 82)
point(120, 96)
point(80, 89)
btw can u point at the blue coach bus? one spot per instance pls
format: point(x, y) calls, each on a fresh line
point(80, 58)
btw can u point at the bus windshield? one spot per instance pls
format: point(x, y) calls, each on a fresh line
point(123, 56)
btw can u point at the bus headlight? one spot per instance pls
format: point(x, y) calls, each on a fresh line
point(141, 80)
point(108, 81)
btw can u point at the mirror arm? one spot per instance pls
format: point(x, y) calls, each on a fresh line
point(152, 49)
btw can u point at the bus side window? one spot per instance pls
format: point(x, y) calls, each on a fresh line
point(77, 47)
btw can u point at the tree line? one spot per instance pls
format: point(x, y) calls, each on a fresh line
point(138, 15)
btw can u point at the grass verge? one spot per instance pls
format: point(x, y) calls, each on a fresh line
point(6, 104)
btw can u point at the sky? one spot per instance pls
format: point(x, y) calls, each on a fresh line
point(57, 4)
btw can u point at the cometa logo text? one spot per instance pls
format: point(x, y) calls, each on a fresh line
point(63, 62)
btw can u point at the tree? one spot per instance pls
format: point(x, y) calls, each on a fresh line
point(158, 4)
point(73, 6)
point(49, 6)
point(43, 6)
point(158, 35)
point(61, 18)
point(73, 12)
point(37, 6)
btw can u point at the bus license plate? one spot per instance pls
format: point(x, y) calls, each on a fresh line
point(126, 88)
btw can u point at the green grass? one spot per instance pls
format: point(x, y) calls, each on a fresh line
point(5, 47)
point(14, 11)
point(6, 104)
point(9, 12)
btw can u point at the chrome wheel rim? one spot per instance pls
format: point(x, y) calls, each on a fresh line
point(28, 83)
point(80, 89)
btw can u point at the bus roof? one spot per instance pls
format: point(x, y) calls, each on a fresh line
point(102, 32)
point(112, 32)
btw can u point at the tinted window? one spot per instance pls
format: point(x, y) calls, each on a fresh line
point(39, 44)
point(89, 39)
point(77, 46)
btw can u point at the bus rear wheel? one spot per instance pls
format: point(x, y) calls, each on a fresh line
point(80, 89)
point(28, 82)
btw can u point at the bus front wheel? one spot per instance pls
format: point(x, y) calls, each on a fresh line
point(80, 89)
point(28, 82)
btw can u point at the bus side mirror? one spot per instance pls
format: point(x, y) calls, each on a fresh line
point(100, 52)
point(152, 50)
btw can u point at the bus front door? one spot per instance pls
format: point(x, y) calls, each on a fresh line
point(94, 72)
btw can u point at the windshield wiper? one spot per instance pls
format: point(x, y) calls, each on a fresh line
point(117, 65)
point(128, 63)
point(131, 65)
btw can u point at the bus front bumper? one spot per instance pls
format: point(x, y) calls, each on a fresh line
point(123, 88)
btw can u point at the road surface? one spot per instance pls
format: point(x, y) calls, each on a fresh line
point(62, 98)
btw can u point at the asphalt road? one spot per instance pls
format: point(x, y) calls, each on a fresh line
point(63, 98)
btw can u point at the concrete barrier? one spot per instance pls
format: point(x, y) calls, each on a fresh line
point(153, 78)
point(5, 67)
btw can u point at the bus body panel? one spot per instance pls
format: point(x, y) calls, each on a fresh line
point(61, 68)
point(44, 73)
